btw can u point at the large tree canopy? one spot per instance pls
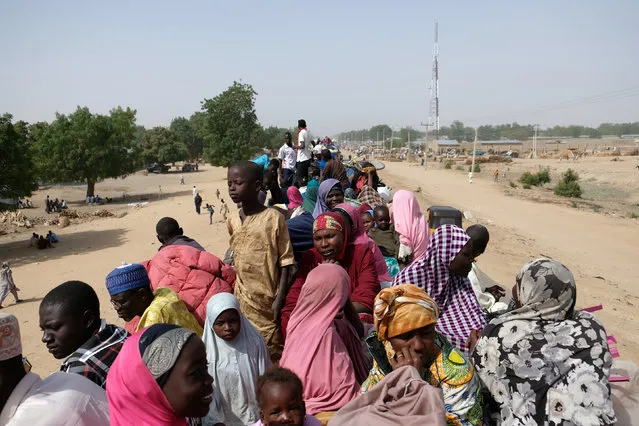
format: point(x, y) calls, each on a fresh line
point(161, 145)
point(186, 132)
point(231, 127)
point(87, 147)
point(17, 173)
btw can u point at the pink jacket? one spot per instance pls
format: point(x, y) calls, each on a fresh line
point(193, 274)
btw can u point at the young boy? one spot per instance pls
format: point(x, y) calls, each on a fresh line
point(280, 397)
point(262, 254)
point(209, 208)
point(73, 329)
point(384, 233)
point(7, 285)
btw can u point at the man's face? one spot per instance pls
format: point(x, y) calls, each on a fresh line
point(63, 332)
point(127, 304)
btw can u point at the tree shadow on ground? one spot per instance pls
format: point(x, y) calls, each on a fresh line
point(19, 253)
point(135, 198)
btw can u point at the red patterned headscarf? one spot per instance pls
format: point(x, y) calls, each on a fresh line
point(334, 221)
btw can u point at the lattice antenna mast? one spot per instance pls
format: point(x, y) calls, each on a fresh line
point(433, 118)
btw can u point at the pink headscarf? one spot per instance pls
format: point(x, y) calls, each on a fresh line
point(410, 223)
point(294, 197)
point(359, 236)
point(135, 398)
point(314, 350)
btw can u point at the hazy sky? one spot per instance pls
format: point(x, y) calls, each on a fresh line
point(339, 64)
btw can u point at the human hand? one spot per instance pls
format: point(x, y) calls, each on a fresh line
point(496, 291)
point(331, 261)
point(277, 305)
point(408, 356)
point(472, 340)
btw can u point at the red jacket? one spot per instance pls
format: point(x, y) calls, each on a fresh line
point(193, 274)
point(360, 265)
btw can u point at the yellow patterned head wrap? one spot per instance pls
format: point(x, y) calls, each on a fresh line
point(401, 309)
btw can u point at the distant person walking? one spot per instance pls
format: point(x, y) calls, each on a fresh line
point(209, 208)
point(182, 179)
point(224, 209)
point(194, 191)
point(198, 203)
point(7, 285)
point(496, 175)
point(304, 155)
point(217, 193)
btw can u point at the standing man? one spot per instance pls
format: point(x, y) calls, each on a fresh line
point(304, 155)
point(288, 157)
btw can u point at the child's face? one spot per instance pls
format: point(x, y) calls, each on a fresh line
point(227, 325)
point(240, 187)
point(368, 221)
point(281, 405)
point(382, 219)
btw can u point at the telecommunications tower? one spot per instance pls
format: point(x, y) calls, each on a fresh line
point(433, 112)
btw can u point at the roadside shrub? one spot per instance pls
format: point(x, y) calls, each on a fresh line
point(477, 168)
point(535, 179)
point(512, 184)
point(449, 164)
point(569, 187)
point(526, 186)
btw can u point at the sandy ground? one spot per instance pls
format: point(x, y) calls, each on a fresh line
point(600, 249)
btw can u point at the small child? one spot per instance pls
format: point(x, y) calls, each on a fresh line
point(262, 254)
point(384, 233)
point(7, 285)
point(209, 208)
point(368, 220)
point(279, 395)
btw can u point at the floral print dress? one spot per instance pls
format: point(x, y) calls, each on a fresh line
point(545, 363)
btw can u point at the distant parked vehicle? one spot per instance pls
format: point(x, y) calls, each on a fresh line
point(188, 168)
point(157, 168)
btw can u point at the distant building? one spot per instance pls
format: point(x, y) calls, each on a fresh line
point(444, 144)
point(503, 143)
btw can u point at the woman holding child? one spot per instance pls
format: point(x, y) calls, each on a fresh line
point(411, 225)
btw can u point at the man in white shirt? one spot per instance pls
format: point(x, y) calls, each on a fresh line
point(288, 157)
point(304, 155)
point(60, 399)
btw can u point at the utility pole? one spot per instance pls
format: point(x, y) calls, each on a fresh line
point(472, 166)
point(534, 149)
point(433, 116)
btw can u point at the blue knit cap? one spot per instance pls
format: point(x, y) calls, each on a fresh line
point(127, 277)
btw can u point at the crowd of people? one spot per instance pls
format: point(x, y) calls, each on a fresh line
point(54, 206)
point(333, 306)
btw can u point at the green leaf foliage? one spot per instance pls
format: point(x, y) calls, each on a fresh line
point(232, 132)
point(186, 132)
point(535, 179)
point(17, 172)
point(87, 147)
point(568, 187)
point(161, 145)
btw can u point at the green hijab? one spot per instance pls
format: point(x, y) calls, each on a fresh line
point(310, 198)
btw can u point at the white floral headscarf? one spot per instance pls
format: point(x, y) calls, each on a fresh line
point(544, 362)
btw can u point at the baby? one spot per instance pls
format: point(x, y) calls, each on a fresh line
point(279, 395)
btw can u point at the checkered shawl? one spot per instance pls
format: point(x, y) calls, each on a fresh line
point(94, 358)
point(460, 310)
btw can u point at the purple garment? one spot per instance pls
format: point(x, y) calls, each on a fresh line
point(182, 240)
point(460, 310)
point(324, 188)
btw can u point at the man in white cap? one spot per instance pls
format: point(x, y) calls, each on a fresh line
point(60, 399)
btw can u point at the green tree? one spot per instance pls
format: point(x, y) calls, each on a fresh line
point(17, 172)
point(185, 130)
point(231, 129)
point(87, 147)
point(457, 131)
point(161, 145)
point(381, 131)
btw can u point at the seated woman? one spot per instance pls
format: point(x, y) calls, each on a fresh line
point(330, 238)
point(545, 362)
point(359, 236)
point(329, 194)
point(237, 356)
point(364, 185)
point(314, 349)
point(405, 319)
point(159, 378)
point(443, 274)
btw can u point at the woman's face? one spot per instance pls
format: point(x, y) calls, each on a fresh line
point(368, 221)
point(422, 341)
point(189, 388)
point(335, 196)
point(329, 243)
point(463, 263)
point(227, 325)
